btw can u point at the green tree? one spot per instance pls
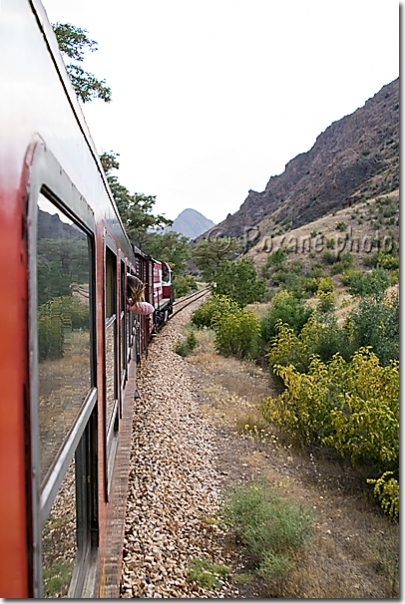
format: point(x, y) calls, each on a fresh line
point(135, 210)
point(239, 281)
point(171, 247)
point(73, 41)
point(209, 254)
point(287, 308)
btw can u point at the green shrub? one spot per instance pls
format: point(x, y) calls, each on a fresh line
point(375, 323)
point(341, 226)
point(272, 528)
point(344, 263)
point(206, 573)
point(394, 277)
point(352, 407)
point(325, 284)
point(329, 257)
point(212, 309)
point(237, 334)
point(386, 491)
point(327, 301)
point(351, 275)
point(368, 284)
point(238, 280)
point(186, 347)
point(277, 257)
point(322, 336)
point(183, 285)
point(316, 271)
point(288, 349)
point(287, 308)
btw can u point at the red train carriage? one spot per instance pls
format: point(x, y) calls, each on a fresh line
point(163, 296)
point(67, 380)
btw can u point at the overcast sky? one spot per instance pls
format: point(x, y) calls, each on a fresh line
point(212, 97)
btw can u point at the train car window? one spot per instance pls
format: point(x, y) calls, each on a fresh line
point(111, 355)
point(63, 318)
point(66, 408)
point(123, 328)
point(165, 273)
point(110, 334)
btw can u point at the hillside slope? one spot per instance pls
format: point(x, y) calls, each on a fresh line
point(355, 157)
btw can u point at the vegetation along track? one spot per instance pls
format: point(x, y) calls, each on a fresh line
point(196, 432)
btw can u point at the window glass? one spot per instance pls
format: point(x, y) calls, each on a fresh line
point(111, 335)
point(110, 368)
point(63, 286)
point(59, 540)
point(123, 303)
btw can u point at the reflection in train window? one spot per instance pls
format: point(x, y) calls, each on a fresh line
point(111, 337)
point(59, 540)
point(63, 285)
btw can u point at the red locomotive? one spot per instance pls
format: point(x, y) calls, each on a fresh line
point(68, 344)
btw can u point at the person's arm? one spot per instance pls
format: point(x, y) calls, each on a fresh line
point(142, 308)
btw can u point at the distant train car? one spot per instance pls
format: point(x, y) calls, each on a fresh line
point(163, 295)
point(67, 376)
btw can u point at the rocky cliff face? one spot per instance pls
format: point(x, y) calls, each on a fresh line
point(355, 157)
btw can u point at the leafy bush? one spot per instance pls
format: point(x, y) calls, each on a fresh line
point(341, 226)
point(212, 309)
point(316, 271)
point(375, 322)
point(325, 284)
point(386, 491)
point(383, 259)
point(277, 257)
point(329, 257)
point(237, 334)
point(238, 280)
point(368, 284)
point(272, 528)
point(183, 285)
point(206, 573)
point(186, 347)
point(287, 348)
point(352, 407)
point(322, 336)
point(287, 308)
point(343, 264)
point(327, 301)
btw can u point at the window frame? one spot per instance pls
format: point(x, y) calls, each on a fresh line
point(112, 422)
point(44, 175)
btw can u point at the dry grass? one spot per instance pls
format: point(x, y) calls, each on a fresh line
point(359, 217)
point(355, 550)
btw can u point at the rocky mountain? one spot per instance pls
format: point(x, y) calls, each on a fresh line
point(354, 158)
point(191, 224)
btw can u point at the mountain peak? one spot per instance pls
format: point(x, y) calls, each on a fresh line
point(191, 223)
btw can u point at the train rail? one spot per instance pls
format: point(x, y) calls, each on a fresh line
point(182, 303)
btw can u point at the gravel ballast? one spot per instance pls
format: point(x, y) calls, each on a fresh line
point(174, 486)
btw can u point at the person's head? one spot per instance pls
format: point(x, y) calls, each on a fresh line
point(135, 289)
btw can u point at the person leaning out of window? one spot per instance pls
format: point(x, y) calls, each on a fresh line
point(136, 297)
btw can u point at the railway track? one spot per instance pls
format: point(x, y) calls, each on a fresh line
point(182, 303)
